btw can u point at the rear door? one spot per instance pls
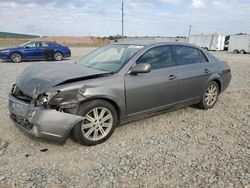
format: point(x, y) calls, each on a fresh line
point(155, 89)
point(46, 46)
point(193, 71)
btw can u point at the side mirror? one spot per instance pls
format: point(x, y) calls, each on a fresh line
point(140, 68)
point(26, 47)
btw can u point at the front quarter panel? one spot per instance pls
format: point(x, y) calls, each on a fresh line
point(110, 88)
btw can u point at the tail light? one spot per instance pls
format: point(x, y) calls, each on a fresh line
point(228, 67)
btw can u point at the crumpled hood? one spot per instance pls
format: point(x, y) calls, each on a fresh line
point(38, 78)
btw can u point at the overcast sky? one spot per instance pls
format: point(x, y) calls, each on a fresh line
point(142, 17)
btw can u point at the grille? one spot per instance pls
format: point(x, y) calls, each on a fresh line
point(16, 92)
point(21, 121)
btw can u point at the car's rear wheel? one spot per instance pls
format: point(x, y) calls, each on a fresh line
point(58, 56)
point(210, 95)
point(16, 57)
point(100, 121)
point(242, 52)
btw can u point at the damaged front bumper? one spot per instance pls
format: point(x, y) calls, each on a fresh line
point(40, 122)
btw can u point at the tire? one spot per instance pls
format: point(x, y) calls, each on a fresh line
point(236, 51)
point(209, 98)
point(91, 131)
point(242, 52)
point(58, 56)
point(16, 57)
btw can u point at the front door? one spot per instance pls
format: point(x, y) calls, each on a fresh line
point(153, 90)
point(33, 50)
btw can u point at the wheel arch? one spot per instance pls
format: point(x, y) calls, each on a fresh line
point(60, 51)
point(236, 51)
point(216, 78)
point(218, 82)
point(17, 53)
point(242, 50)
point(112, 102)
point(107, 99)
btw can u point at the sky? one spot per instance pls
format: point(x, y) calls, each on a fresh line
point(142, 17)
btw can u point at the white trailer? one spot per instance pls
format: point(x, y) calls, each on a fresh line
point(239, 44)
point(213, 42)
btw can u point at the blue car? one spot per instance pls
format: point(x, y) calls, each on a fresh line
point(35, 50)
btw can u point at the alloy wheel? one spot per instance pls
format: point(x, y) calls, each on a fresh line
point(16, 58)
point(58, 56)
point(97, 124)
point(211, 95)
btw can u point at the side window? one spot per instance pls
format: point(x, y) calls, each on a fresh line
point(187, 55)
point(31, 45)
point(203, 57)
point(52, 44)
point(38, 44)
point(45, 44)
point(158, 57)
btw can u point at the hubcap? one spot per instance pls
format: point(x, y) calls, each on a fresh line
point(58, 56)
point(97, 123)
point(211, 95)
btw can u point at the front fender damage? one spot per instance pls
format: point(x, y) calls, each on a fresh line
point(68, 101)
point(41, 122)
point(54, 125)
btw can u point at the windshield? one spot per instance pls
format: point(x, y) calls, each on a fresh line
point(110, 58)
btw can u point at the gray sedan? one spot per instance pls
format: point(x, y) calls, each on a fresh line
point(113, 85)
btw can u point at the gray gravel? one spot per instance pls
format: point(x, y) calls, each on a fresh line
point(183, 148)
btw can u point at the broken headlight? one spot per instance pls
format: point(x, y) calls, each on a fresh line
point(44, 99)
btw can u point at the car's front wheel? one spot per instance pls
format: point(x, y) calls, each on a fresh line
point(58, 56)
point(210, 95)
point(100, 121)
point(16, 58)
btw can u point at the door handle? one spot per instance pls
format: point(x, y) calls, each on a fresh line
point(172, 77)
point(206, 71)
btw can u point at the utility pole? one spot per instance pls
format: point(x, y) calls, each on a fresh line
point(189, 32)
point(122, 20)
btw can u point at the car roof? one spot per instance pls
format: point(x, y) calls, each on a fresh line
point(41, 41)
point(149, 43)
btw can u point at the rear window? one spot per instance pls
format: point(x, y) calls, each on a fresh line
point(187, 55)
point(52, 44)
point(203, 56)
point(48, 44)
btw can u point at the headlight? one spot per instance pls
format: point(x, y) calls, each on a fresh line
point(4, 51)
point(46, 97)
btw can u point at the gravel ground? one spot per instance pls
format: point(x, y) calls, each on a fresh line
point(183, 148)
